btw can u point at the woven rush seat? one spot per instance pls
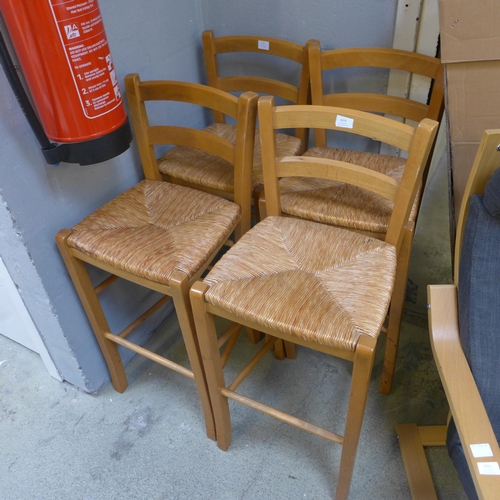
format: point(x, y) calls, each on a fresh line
point(335, 203)
point(138, 232)
point(315, 282)
point(198, 167)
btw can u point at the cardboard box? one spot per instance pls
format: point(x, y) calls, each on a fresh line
point(473, 105)
point(473, 95)
point(470, 49)
point(469, 30)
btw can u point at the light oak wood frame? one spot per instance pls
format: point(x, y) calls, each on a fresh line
point(244, 108)
point(213, 47)
point(387, 58)
point(418, 142)
point(463, 397)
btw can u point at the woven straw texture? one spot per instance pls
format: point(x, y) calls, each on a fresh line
point(342, 204)
point(198, 167)
point(316, 282)
point(156, 228)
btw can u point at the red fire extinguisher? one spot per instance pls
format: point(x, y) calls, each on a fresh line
point(64, 54)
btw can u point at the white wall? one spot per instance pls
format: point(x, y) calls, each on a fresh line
point(157, 39)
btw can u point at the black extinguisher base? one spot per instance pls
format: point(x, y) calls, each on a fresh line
point(93, 151)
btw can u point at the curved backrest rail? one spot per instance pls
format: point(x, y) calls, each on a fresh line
point(308, 166)
point(347, 120)
point(192, 138)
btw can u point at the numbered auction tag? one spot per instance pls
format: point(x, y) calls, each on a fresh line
point(488, 468)
point(344, 122)
point(481, 450)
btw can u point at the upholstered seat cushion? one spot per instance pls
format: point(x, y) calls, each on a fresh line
point(156, 228)
point(197, 167)
point(479, 312)
point(315, 282)
point(342, 204)
point(479, 303)
point(491, 197)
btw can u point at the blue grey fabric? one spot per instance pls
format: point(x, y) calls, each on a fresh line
point(492, 194)
point(479, 314)
point(457, 456)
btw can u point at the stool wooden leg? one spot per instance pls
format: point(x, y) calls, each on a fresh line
point(261, 203)
point(284, 349)
point(279, 349)
point(88, 297)
point(290, 350)
point(396, 313)
point(361, 374)
point(254, 335)
point(209, 347)
point(257, 194)
point(179, 284)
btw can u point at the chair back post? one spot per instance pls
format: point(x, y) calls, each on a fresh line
point(212, 67)
point(487, 161)
point(268, 141)
point(315, 72)
point(243, 159)
point(423, 140)
point(436, 103)
point(304, 96)
point(140, 124)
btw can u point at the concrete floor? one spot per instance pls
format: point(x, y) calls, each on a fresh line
point(57, 442)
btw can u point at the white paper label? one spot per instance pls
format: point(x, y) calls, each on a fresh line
point(488, 468)
point(344, 122)
point(481, 450)
point(263, 45)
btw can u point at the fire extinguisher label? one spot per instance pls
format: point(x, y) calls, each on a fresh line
point(82, 34)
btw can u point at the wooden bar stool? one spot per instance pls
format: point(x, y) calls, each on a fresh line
point(160, 235)
point(311, 284)
point(349, 206)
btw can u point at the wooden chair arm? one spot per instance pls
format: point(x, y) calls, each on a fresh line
point(463, 397)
